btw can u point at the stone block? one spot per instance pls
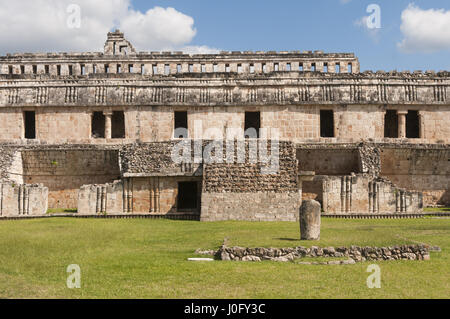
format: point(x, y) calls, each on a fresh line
point(310, 220)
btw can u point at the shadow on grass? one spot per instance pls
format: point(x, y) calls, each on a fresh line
point(288, 239)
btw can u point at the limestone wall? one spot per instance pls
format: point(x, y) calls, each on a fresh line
point(11, 124)
point(259, 206)
point(425, 169)
point(19, 200)
point(288, 88)
point(96, 199)
point(65, 171)
point(144, 123)
point(141, 195)
point(363, 194)
point(328, 161)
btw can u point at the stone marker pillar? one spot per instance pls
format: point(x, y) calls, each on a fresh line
point(310, 220)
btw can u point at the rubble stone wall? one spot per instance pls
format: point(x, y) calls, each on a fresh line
point(354, 253)
point(243, 192)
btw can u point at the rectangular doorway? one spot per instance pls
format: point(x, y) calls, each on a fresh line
point(187, 196)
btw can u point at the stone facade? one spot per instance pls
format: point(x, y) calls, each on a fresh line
point(416, 168)
point(97, 129)
point(361, 194)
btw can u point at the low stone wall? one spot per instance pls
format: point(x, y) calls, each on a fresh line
point(18, 200)
point(354, 253)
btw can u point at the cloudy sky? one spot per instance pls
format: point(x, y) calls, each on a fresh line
point(385, 35)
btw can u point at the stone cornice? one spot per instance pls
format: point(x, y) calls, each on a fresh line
point(216, 89)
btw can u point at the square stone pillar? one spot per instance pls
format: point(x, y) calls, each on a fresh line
point(402, 123)
point(108, 117)
point(421, 125)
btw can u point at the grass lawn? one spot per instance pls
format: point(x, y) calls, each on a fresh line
point(61, 211)
point(140, 258)
point(436, 209)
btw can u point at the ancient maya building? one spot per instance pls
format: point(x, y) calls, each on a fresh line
point(95, 131)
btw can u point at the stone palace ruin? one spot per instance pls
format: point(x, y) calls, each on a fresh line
point(96, 132)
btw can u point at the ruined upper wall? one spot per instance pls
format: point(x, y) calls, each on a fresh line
point(120, 56)
point(122, 76)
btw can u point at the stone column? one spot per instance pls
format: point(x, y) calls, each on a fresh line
point(402, 123)
point(108, 116)
point(421, 125)
point(310, 220)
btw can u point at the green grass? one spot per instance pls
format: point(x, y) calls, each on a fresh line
point(436, 209)
point(61, 211)
point(140, 258)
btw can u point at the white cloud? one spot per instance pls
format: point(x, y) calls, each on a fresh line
point(41, 26)
point(425, 30)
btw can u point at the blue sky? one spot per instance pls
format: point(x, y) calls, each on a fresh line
point(327, 25)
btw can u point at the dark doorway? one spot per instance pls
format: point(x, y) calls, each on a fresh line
point(391, 124)
point(118, 125)
point(412, 124)
point(252, 124)
point(98, 125)
point(326, 123)
point(30, 125)
point(181, 124)
point(187, 196)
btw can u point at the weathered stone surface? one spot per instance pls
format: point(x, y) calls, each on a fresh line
point(354, 253)
point(310, 221)
point(22, 200)
point(365, 194)
point(66, 90)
